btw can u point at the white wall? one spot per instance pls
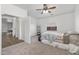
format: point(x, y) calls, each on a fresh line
point(64, 22)
point(77, 18)
point(4, 25)
point(13, 10)
point(32, 26)
point(27, 30)
point(17, 27)
point(21, 26)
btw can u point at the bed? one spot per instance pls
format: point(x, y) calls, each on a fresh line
point(54, 38)
point(52, 34)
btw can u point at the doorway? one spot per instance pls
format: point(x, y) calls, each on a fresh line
point(7, 32)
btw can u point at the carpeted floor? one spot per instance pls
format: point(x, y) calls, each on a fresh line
point(8, 40)
point(36, 48)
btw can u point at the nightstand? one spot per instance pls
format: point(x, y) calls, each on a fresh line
point(66, 39)
point(74, 38)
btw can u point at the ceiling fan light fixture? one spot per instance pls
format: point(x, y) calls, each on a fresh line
point(45, 11)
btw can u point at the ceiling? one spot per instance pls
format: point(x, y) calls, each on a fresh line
point(60, 9)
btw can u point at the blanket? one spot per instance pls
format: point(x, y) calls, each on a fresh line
point(49, 37)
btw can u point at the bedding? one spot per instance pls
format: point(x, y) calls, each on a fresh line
point(51, 36)
point(73, 49)
point(54, 39)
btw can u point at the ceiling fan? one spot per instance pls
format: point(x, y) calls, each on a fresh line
point(46, 9)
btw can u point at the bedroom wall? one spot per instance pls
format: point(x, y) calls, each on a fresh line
point(4, 25)
point(27, 24)
point(13, 10)
point(27, 30)
point(64, 22)
point(77, 18)
point(32, 26)
point(23, 28)
point(16, 27)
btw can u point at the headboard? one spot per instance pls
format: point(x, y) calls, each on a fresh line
point(51, 28)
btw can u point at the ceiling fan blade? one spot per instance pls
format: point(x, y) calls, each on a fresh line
point(39, 9)
point(42, 12)
point(45, 9)
point(49, 11)
point(52, 7)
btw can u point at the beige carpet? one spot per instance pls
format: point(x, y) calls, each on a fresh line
point(33, 49)
point(8, 40)
point(36, 48)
